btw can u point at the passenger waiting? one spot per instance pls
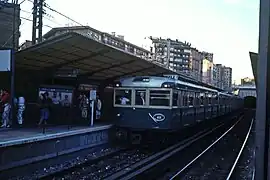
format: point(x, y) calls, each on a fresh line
point(45, 105)
point(1, 105)
point(66, 105)
point(6, 108)
point(84, 103)
point(21, 108)
point(98, 106)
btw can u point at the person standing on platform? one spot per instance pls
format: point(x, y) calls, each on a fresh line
point(6, 109)
point(67, 107)
point(45, 105)
point(98, 106)
point(84, 107)
point(1, 106)
point(21, 108)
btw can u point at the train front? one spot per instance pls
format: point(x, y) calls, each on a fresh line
point(143, 103)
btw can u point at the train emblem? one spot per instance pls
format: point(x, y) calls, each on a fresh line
point(158, 117)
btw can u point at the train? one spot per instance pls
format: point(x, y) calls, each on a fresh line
point(164, 104)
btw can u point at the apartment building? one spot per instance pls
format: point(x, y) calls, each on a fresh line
point(248, 81)
point(227, 78)
point(178, 56)
point(222, 77)
point(207, 67)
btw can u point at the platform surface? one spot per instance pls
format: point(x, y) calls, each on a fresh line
point(12, 137)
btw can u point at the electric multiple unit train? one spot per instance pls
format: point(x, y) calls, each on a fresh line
point(162, 103)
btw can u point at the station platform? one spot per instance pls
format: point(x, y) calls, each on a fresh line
point(19, 147)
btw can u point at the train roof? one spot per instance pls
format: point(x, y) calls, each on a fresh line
point(156, 81)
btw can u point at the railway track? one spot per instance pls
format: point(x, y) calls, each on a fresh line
point(121, 163)
point(217, 163)
point(132, 163)
point(143, 168)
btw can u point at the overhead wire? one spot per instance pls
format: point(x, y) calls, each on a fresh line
point(49, 8)
point(43, 17)
point(53, 10)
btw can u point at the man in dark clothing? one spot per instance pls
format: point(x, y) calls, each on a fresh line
point(1, 105)
point(66, 108)
point(45, 105)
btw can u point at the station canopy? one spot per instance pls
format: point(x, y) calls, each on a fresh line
point(91, 59)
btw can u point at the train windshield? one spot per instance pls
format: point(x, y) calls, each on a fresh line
point(159, 98)
point(123, 97)
point(140, 97)
point(143, 97)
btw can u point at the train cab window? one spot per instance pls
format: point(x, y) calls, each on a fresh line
point(159, 98)
point(175, 98)
point(123, 97)
point(140, 97)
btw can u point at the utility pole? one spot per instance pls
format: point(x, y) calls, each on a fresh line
point(15, 4)
point(37, 21)
point(14, 48)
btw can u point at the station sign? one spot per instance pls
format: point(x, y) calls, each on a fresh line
point(93, 94)
point(86, 87)
point(5, 60)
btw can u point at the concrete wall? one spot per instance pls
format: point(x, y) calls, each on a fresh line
point(6, 25)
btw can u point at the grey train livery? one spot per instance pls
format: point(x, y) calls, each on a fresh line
point(163, 103)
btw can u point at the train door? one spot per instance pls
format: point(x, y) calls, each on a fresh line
point(187, 108)
point(107, 110)
point(176, 120)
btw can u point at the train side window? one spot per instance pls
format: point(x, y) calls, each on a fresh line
point(202, 98)
point(184, 98)
point(216, 99)
point(123, 97)
point(210, 99)
point(175, 98)
point(159, 98)
point(140, 97)
point(197, 99)
point(191, 99)
point(179, 99)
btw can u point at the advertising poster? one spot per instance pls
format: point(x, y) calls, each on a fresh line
point(57, 94)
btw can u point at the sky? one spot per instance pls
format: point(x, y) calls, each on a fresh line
point(227, 28)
